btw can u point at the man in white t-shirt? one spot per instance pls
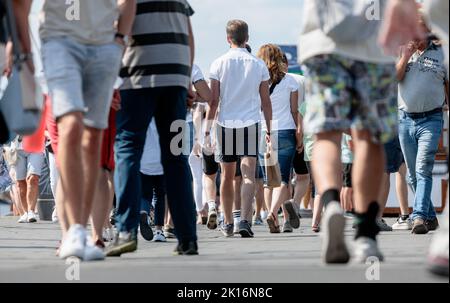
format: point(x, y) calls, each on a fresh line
point(240, 82)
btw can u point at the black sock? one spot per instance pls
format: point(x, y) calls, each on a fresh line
point(331, 195)
point(405, 217)
point(366, 225)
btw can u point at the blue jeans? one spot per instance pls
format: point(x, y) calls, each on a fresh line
point(154, 196)
point(284, 145)
point(419, 139)
point(139, 106)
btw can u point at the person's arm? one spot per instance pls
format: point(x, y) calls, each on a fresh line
point(197, 121)
point(266, 105)
point(191, 42)
point(400, 25)
point(21, 10)
point(297, 119)
point(213, 106)
point(203, 91)
point(446, 94)
point(405, 54)
point(127, 14)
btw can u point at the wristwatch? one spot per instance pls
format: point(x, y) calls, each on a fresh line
point(122, 36)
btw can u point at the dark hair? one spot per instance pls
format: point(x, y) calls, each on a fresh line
point(237, 31)
point(249, 48)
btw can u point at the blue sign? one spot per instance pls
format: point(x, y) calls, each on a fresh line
point(291, 54)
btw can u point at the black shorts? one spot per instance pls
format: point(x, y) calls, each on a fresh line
point(210, 166)
point(234, 143)
point(259, 174)
point(347, 175)
point(300, 167)
point(394, 156)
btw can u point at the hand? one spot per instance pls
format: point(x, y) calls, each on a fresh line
point(197, 150)
point(191, 97)
point(115, 104)
point(401, 25)
point(120, 41)
point(268, 140)
point(409, 50)
point(8, 59)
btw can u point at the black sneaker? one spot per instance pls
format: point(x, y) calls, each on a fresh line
point(292, 210)
point(227, 230)
point(432, 225)
point(145, 228)
point(186, 249)
point(245, 229)
point(122, 245)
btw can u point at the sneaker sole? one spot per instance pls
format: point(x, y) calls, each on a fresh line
point(245, 233)
point(212, 221)
point(293, 216)
point(124, 249)
point(420, 230)
point(32, 221)
point(75, 254)
point(287, 231)
point(145, 229)
point(335, 249)
point(402, 228)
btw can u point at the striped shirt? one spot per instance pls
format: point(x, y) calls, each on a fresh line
point(158, 54)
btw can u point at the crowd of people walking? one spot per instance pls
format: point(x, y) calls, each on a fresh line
point(139, 141)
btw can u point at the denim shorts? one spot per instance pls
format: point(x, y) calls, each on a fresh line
point(28, 164)
point(284, 146)
point(81, 77)
point(394, 156)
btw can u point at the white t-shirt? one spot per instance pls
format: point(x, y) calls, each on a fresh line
point(196, 76)
point(281, 105)
point(240, 75)
point(301, 81)
point(151, 158)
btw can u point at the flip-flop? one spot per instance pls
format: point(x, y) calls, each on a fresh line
point(273, 227)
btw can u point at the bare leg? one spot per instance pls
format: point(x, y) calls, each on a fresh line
point(402, 189)
point(227, 191)
point(32, 191)
point(259, 195)
point(301, 187)
point(326, 164)
point(317, 211)
point(368, 170)
point(61, 209)
point(22, 188)
point(237, 193)
point(268, 193)
point(70, 129)
point(384, 192)
point(248, 166)
point(91, 147)
point(102, 205)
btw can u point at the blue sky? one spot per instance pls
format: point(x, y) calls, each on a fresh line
point(270, 21)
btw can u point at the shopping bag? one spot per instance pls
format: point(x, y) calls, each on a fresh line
point(272, 168)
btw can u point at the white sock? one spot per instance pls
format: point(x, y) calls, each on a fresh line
point(211, 205)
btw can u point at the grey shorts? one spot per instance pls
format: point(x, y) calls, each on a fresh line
point(81, 77)
point(28, 164)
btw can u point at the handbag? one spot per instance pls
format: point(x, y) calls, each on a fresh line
point(18, 103)
point(347, 21)
point(272, 168)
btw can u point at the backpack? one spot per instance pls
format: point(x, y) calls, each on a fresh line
point(347, 21)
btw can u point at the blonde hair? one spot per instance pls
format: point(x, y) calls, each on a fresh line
point(273, 57)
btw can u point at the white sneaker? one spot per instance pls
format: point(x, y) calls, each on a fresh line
point(55, 216)
point(365, 248)
point(32, 218)
point(236, 226)
point(334, 249)
point(159, 236)
point(23, 218)
point(74, 243)
point(402, 224)
point(264, 215)
point(92, 252)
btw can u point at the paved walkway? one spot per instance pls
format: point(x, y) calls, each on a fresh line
point(27, 255)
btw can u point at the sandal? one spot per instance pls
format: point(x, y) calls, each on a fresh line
point(273, 226)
